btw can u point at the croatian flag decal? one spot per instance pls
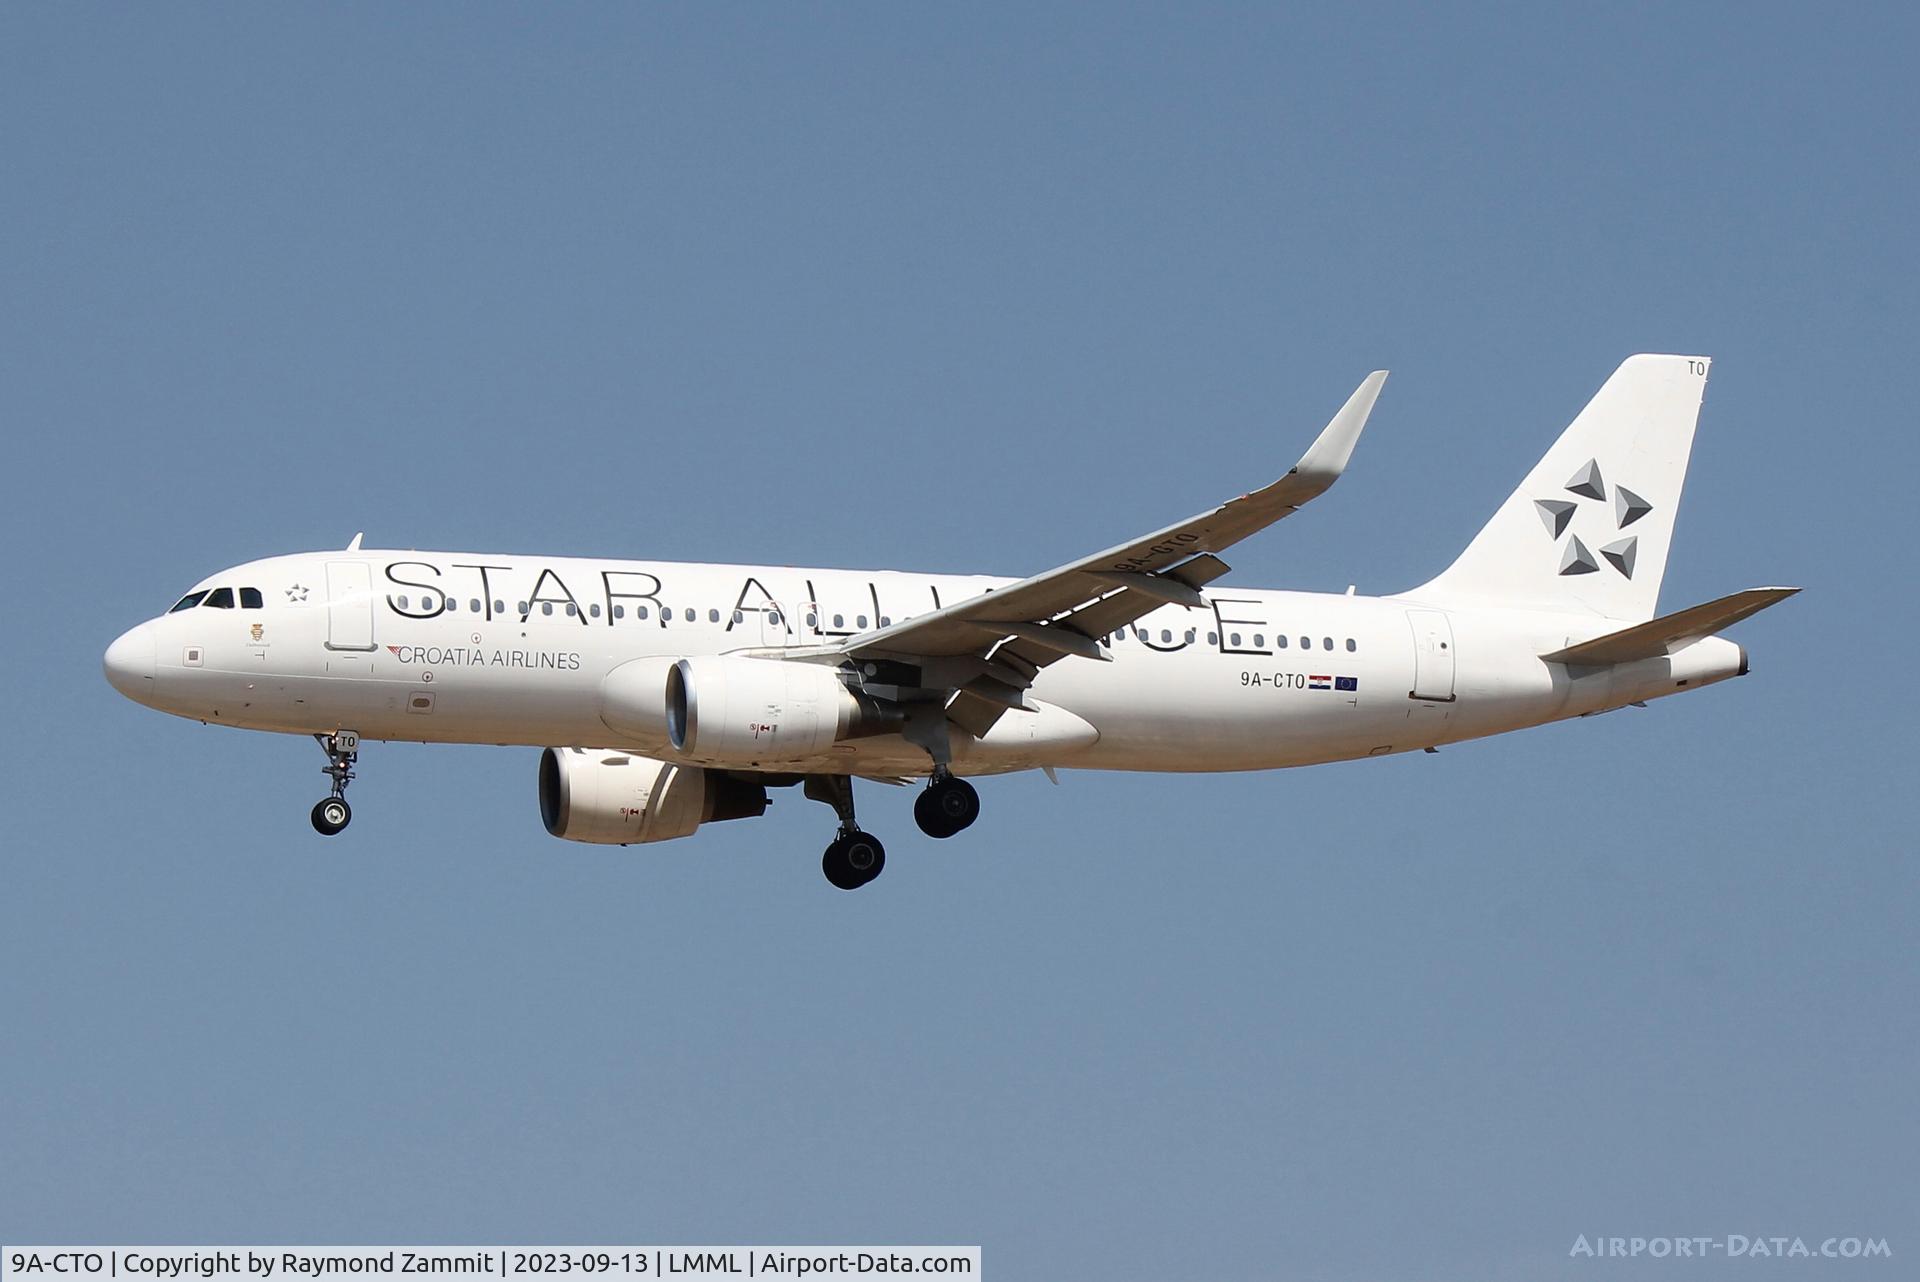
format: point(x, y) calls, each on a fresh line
point(1319, 683)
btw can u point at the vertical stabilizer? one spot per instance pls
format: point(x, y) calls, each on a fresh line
point(1588, 530)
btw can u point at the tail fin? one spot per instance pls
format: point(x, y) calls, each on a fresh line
point(1588, 530)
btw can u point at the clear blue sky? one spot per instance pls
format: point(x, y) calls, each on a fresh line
point(972, 289)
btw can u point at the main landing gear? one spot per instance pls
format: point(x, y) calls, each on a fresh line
point(331, 814)
point(855, 858)
point(948, 805)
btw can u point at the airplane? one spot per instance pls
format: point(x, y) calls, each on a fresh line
point(667, 695)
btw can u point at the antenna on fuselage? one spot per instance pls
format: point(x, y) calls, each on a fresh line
point(355, 545)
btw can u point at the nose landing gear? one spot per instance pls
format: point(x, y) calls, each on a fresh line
point(331, 814)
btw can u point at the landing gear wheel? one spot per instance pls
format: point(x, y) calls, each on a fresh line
point(343, 749)
point(948, 806)
point(853, 860)
point(331, 815)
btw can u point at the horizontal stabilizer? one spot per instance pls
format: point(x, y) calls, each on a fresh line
point(1662, 635)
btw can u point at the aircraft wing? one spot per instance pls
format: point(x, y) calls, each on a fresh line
point(1013, 632)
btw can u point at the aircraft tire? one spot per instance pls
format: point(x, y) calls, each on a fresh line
point(947, 807)
point(330, 815)
point(853, 860)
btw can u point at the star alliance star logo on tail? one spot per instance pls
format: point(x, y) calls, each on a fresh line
point(1558, 514)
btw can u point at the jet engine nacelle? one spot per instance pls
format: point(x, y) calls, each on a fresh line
point(633, 701)
point(735, 710)
point(612, 797)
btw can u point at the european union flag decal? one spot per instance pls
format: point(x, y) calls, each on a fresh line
point(1346, 683)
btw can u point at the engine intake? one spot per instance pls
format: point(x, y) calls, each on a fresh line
point(610, 797)
point(740, 711)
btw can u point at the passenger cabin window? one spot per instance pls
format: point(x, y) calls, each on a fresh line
point(1351, 647)
point(188, 601)
point(219, 599)
point(250, 599)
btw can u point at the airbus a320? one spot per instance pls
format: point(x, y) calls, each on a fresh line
point(668, 695)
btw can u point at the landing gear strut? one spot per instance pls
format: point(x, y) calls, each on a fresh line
point(331, 814)
point(948, 805)
point(855, 857)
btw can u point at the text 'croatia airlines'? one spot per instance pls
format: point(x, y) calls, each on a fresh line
point(700, 687)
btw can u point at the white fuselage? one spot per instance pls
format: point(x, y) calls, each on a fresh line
point(459, 648)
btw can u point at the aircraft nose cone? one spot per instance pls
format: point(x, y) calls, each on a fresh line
point(129, 662)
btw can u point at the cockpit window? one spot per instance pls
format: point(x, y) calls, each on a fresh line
point(250, 599)
point(219, 599)
point(188, 601)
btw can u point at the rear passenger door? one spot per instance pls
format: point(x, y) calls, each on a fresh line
point(1432, 656)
